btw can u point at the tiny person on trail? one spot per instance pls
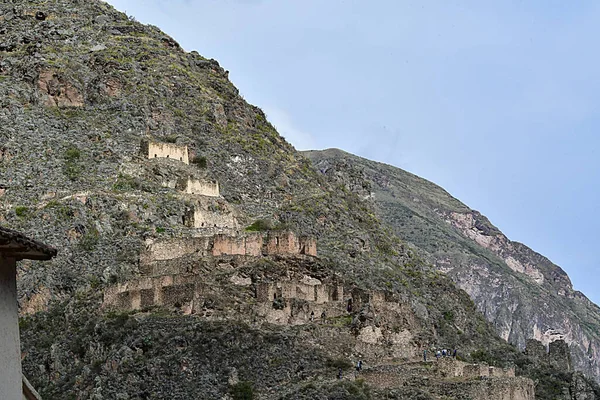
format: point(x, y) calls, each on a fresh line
point(425, 355)
point(444, 352)
point(312, 316)
point(359, 366)
point(454, 353)
point(438, 354)
point(340, 373)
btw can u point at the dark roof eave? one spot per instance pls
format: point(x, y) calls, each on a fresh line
point(35, 250)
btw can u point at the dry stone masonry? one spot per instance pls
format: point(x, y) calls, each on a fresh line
point(168, 267)
point(199, 187)
point(165, 150)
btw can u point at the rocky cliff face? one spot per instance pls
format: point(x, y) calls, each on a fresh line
point(521, 292)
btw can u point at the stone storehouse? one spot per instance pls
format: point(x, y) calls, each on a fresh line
point(199, 187)
point(165, 150)
point(14, 247)
point(287, 243)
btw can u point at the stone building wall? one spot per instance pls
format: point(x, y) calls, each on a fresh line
point(308, 246)
point(287, 243)
point(207, 214)
point(165, 150)
point(199, 187)
point(282, 243)
point(250, 245)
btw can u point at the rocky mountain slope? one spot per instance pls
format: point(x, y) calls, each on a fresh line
point(521, 292)
point(200, 255)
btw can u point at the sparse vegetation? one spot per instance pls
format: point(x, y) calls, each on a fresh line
point(243, 391)
point(200, 161)
point(22, 211)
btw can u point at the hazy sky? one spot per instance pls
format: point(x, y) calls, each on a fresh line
point(495, 101)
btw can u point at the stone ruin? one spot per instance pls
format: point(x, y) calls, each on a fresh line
point(307, 289)
point(165, 150)
point(249, 244)
point(179, 291)
point(557, 353)
point(287, 243)
point(199, 187)
point(210, 213)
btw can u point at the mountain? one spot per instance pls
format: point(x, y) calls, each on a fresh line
point(201, 255)
point(522, 293)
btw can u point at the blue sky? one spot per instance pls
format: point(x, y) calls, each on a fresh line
point(497, 102)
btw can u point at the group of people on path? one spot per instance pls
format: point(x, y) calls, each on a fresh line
point(441, 353)
point(359, 366)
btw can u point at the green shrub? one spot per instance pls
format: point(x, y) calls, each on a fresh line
point(243, 391)
point(90, 240)
point(200, 161)
point(21, 211)
point(125, 183)
point(72, 153)
point(72, 169)
point(260, 225)
point(338, 363)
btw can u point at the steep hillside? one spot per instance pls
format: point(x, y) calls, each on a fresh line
point(521, 292)
point(200, 255)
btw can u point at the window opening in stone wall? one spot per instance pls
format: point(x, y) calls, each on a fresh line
point(156, 155)
point(167, 156)
point(334, 295)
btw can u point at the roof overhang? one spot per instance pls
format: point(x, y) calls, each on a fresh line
point(15, 245)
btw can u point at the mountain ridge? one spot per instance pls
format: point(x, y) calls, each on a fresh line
point(475, 230)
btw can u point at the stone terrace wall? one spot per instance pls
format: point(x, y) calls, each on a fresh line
point(501, 389)
point(198, 187)
point(313, 291)
point(502, 372)
point(182, 291)
point(157, 250)
point(165, 150)
point(476, 370)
